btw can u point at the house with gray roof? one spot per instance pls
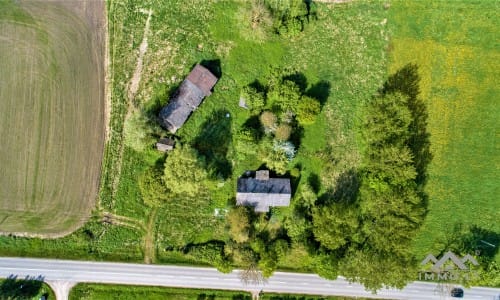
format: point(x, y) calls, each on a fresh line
point(197, 85)
point(263, 192)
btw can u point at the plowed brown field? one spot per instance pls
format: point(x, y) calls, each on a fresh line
point(51, 114)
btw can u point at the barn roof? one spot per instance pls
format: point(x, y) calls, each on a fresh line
point(187, 98)
point(262, 192)
point(203, 79)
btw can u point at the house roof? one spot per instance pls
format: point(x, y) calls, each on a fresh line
point(187, 98)
point(263, 193)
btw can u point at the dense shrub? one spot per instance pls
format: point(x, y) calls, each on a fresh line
point(268, 120)
point(307, 110)
point(254, 99)
point(185, 171)
point(153, 190)
point(283, 132)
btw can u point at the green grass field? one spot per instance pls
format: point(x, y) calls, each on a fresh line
point(51, 116)
point(124, 292)
point(455, 46)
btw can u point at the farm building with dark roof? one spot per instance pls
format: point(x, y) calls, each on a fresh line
point(193, 89)
point(263, 192)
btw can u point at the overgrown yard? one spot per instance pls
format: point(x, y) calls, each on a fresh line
point(51, 115)
point(455, 46)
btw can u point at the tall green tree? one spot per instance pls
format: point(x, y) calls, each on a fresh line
point(336, 224)
point(391, 207)
point(184, 171)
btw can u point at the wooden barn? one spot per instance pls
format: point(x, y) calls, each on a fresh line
point(197, 85)
point(263, 192)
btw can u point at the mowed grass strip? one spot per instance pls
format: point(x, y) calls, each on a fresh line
point(51, 118)
point(455, 45)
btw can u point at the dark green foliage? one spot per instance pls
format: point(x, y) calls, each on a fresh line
point(213, 143)
point(406, 81)
point(391, 207)
point(376, 269)
point(326, 265)
point(211, 253)
point(336, 225)
point(13, 288)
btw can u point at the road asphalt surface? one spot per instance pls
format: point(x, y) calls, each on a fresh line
point(63, 274)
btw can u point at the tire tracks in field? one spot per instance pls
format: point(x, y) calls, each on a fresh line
point(113, 219)
point(132, 87)
point(149, 246)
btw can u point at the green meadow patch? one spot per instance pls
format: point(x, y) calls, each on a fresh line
point(457, 52)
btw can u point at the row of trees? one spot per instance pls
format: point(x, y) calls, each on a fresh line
point(368, 236)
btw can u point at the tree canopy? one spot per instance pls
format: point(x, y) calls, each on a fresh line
point(184, 171)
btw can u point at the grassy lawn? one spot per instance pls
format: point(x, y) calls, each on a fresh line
point(51, 116)
point(455, 47)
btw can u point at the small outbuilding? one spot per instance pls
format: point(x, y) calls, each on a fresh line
point(263, 192)
point(197, 85)
point(165, 144)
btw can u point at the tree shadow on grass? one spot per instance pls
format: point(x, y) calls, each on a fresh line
point(346, 189)
point(299, 79)
point(213, 143)
point(27, 288)
point(473, 240)
point(253, 124)
point(213, 65)
point(320, 91)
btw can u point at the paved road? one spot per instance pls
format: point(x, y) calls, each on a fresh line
point(62, 274)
